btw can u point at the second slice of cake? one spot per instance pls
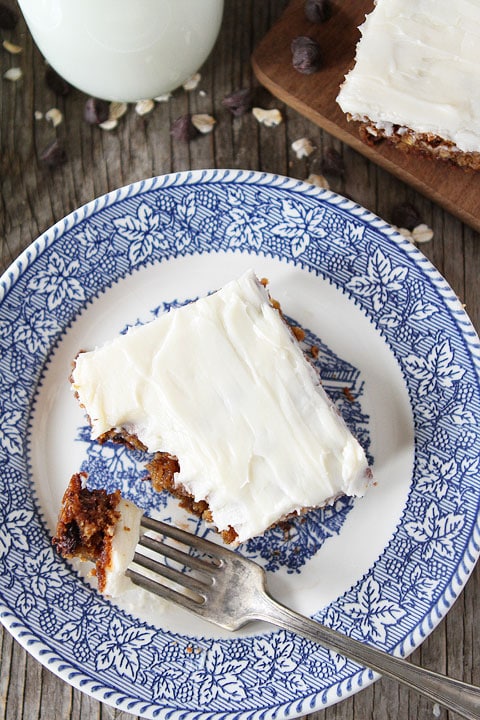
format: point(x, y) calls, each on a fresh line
point(415, 81)
point(223, 386)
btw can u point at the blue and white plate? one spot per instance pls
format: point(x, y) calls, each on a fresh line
point(396, 351)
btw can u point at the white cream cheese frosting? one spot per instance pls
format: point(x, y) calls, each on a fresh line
point(125, 537)
point(418, 66)
point(223, 384)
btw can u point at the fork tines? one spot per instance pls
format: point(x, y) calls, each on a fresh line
point(177, 584)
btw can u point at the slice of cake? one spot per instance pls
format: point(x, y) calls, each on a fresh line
point(222, 394)
point(99, 527)
point(416, 78)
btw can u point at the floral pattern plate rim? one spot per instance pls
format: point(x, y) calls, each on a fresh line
point(340, 250)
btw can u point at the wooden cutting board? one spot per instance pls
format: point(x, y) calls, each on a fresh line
point(314, 96)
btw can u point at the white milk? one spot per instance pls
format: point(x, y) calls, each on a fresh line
point(124, 49)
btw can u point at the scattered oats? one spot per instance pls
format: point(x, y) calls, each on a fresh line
point(270, 118)
point(202, 93)
point(319, 181)
point(54, 116)
point(109, 124)
point(12, 48)
point(192, 82)
point(422, 234)
point(204, 123)
point(163, 98)
point(143, 107)
point(117, 110)
point(405, 232)
point(13, 74)
point(436, 710)
point(302, 147)
point(38, 115)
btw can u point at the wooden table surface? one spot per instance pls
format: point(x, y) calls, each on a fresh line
point(34, 197)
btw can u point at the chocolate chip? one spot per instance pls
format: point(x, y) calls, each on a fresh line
point(8, 17)
point(96, 111)
point(70, 540)
point(305, 55)
point(54, 154)
point(238, 102)
point(183, 129)
point(406, 215)
point(332, 163)
point(318, 11)
point(56, 83)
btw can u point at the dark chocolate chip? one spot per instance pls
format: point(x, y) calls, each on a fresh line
point(306, 57)
point(332, 163)
point(183, 129)
point(238, 102)
point(54, 154)
point(8, 17)
point(70, 541)
point(318, 11)
point(96, 111)
point(405, 215)
point(56, 82)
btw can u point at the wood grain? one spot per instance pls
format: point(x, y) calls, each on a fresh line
point(33, 198)
point(315, 95)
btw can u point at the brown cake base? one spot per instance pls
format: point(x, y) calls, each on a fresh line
point(425, 144)
point(162, 471)
point(86, 525)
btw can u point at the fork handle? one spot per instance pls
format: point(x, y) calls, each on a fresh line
point(453, 694)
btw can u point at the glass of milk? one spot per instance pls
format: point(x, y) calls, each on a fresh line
point(125, 50)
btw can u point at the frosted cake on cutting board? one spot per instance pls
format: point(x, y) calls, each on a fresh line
point(416, 78)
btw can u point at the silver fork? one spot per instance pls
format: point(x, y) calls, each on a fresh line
point(229, 590)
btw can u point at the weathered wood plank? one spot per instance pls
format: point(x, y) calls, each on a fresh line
point(33, 198)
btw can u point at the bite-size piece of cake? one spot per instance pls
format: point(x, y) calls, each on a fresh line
point(99, 527)
point(416, 78)
point(221, 393)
